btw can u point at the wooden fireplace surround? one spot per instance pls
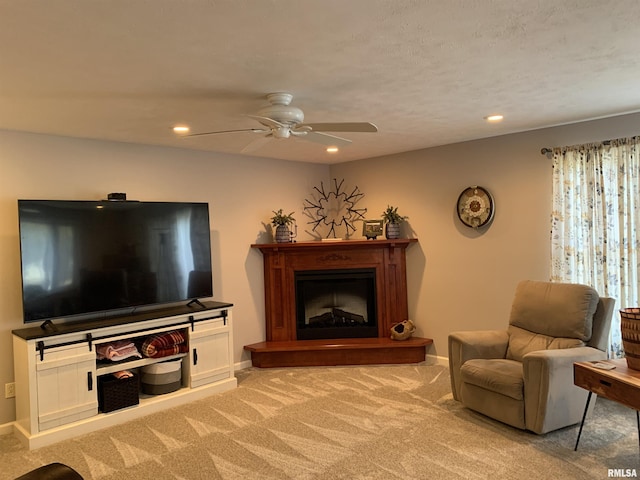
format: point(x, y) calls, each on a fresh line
point(282, 260)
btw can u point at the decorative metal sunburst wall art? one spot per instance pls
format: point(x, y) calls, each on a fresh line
point(333, 209)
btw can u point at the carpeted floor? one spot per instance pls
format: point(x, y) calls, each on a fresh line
point(374, 422)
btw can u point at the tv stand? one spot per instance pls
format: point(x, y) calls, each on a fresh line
point(57, 372)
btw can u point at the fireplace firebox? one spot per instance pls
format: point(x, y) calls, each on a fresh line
point(336, 304)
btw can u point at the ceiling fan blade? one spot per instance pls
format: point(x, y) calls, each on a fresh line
point(269, 122)
point(256, 144)
point(342, 127)
point(253, 130)
point(325, 139)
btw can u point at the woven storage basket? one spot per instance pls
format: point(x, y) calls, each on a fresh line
point(114, 394)
point(630, 326)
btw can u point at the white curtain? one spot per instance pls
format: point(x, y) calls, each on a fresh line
point(594, 222)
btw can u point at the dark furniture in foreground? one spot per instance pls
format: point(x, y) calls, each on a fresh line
point(53, 471)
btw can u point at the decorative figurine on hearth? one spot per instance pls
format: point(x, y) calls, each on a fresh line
point(402, 330)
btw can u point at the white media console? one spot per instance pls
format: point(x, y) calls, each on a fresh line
point(56, 369)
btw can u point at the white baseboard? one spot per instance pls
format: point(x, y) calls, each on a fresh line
point(242, 365)
point(6, 428)
point(436, 360)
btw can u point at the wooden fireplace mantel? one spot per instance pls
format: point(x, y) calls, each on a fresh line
point(282, 260)
point(332, 244)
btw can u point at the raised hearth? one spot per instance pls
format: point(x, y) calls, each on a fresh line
point(283, 347)
point(348, 351)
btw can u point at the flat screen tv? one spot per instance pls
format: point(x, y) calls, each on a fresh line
point(89, 259)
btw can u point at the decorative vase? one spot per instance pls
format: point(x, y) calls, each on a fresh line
point(630, 328)
point(392, 230)
point(283, 234)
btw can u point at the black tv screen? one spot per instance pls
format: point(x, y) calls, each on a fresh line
point(91, 258)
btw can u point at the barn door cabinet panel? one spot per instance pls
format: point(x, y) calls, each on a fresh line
point(65, 382)
point(211, 351)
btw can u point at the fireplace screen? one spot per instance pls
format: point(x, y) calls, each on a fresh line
point(336, 304)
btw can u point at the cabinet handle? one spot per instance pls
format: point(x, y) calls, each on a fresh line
point(89, 381)
point(195, 356)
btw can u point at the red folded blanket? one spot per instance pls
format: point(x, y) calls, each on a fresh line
point(167, 351)
point(164, 344)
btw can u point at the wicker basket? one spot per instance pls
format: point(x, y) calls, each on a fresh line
point(630, 326)
point(114, 393)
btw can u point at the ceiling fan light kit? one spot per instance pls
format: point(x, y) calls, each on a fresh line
point(281, 120)
point(281, 111)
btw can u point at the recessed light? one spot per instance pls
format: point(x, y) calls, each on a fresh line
point(181, 129)
point(332, 149)
point(494, 118)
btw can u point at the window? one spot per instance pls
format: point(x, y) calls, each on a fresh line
point(595, 222)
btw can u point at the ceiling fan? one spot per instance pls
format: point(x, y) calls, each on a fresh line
point(282, 120)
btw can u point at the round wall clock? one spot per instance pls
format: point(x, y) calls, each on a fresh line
point(475, 207)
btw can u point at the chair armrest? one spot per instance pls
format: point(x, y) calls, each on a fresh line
point(464, 346)
point(552, 400)
point(479, 344)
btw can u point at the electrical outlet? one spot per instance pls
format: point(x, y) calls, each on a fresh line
point(9, 390)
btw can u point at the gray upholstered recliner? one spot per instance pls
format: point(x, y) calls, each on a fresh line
point(523, 376)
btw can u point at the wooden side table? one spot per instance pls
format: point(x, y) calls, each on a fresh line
point(621, 385)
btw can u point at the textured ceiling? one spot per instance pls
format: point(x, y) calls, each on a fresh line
point(425, 72)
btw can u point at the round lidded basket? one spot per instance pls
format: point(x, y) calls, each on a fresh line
point(630, 327)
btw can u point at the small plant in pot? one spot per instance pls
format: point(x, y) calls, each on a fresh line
point(282, 222)
point(392, 220)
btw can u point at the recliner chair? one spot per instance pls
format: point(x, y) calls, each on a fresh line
point(523, 376)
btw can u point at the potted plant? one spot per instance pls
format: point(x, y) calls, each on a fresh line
point(392, 220)
point(282, 222)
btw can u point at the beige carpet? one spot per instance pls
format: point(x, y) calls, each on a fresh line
point(378, 422)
